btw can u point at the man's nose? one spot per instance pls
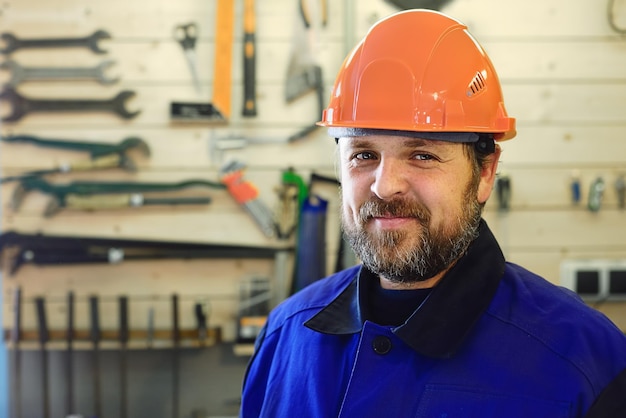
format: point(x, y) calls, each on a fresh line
point(390, 179)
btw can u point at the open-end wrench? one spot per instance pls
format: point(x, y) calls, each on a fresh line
point(95, 149)
point(22, 105)
point(21, 74)
point(13, 43)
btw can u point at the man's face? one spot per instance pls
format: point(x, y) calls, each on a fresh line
point(410, 207)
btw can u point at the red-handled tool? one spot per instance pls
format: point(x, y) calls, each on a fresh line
point(247, 195)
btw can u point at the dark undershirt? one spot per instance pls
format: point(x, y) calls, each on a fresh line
point(393, 307)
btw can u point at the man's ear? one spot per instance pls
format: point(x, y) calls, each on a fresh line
point(488, 175)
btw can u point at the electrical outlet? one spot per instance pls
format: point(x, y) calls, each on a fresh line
point(595, 279)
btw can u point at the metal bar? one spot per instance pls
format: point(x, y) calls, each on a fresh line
point(95, 340)
point(69, 372)
point(40, 308)
point(123, 339)
point(17, 357)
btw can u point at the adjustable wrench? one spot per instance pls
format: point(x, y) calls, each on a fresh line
point(23, 105)
point(91, 42)
point(21, 74)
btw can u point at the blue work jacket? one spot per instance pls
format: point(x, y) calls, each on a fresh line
point(491, 340)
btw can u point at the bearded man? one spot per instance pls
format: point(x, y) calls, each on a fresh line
point(434, 322)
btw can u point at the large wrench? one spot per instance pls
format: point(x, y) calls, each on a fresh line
point(13, 43)
point(23, 105)
point(21, 74)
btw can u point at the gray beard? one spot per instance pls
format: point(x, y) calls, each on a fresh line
point(386, 254)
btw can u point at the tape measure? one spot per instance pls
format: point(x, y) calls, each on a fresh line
point(222, 75)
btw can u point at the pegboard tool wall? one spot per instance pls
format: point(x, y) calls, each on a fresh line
point(560, 63)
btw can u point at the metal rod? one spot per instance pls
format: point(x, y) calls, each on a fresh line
point(43, 339)
point(123, 339)
point(17, 357)
point(95, 340)
point(69, 405)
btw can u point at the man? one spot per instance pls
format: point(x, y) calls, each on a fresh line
point(435, 323)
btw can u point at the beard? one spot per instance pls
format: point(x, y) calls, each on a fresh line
point(416, 254)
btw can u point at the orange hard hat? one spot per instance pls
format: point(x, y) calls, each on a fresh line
point(418, 71)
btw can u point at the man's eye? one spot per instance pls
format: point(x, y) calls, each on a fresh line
point(424, 157)
point(364, 156)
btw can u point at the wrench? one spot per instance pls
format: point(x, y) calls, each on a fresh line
point(23, 105)
point(95, 149)
point(21, 74)
point(13, 43)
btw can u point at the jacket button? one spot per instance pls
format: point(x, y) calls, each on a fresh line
point(381, 345)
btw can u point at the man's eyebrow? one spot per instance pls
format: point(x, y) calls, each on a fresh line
point(366, 142)
point(419, 142)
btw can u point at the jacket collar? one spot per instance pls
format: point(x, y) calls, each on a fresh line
point(437, 328)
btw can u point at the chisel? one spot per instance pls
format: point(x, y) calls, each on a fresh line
point(123, 340)
point(69, 401)
point(40, 306)
point(17, 358)
point(175, 357)
point(94, 336)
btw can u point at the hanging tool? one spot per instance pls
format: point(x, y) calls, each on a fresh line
point(249, 59)
point(100, 163)
point(218, 111)
point(291, 193)
point(247, 195)
point(150, 328)
point(503, 192)
point(21, 74)
point(596, 192)
point(91, 42)
point(61, 192)
point(123, 336)
point(187, 35)
point(311, 247)
point(224, 34)
point(254, 298)
point(175, 357)
point(304, 74)
point(21, 105)
point(102, 155)
point(620, 190)
point(40, 307)
point(16, 332)
point(419, 4)
point(38, 249)
point(69, 371)
point(94, 336)
point(120, 201)
point(575, 187)
point(95, 149)
point(200, 313)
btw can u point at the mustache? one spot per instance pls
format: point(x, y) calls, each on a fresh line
point(400, 208)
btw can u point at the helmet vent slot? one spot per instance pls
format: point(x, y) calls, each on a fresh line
point(476, 85)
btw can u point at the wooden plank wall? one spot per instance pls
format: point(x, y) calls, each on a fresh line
point(560, 63)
